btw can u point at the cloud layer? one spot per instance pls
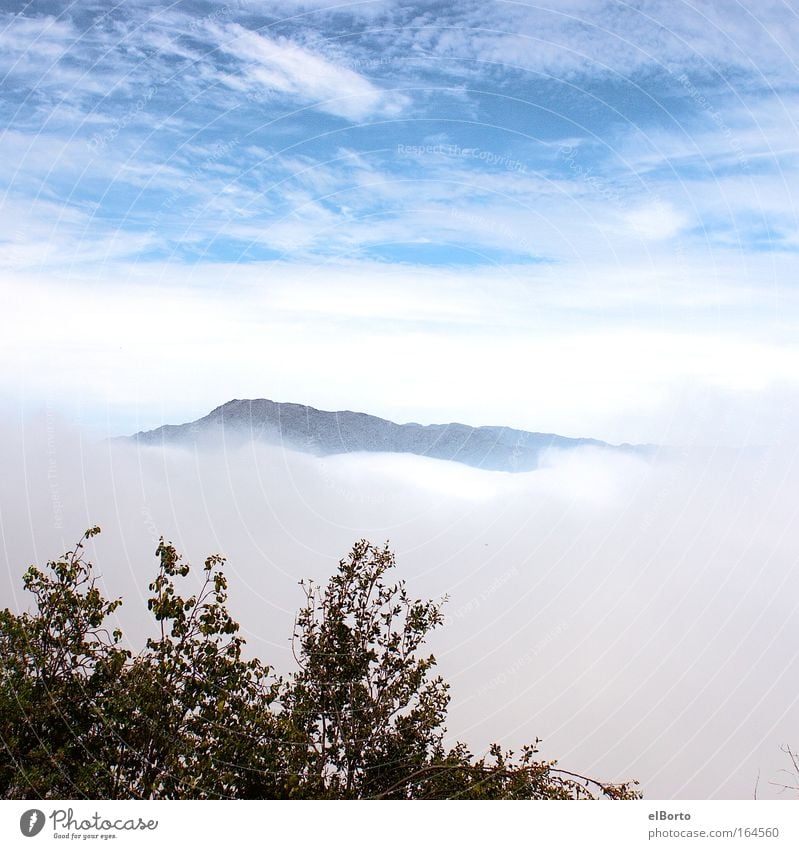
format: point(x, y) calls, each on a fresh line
point(638, 616)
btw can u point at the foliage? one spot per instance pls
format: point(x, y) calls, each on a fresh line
point(195, 719)
point(363, 704)
point(191, 717)
point(58, 668)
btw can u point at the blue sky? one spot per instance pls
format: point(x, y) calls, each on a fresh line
point(576, 216)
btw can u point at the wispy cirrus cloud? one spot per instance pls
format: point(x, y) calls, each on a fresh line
point(279, 65)
point(28, 44)
point(590, 38)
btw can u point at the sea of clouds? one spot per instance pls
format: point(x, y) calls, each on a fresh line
point(639, 614)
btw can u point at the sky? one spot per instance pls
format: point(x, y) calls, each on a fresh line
point(574, 217)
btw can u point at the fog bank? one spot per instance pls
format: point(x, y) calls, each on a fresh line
point(639, 615)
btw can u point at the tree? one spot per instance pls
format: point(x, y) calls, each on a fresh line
point(195, 720)
point(57, 668)
point(366, 714)
point(792, 773)
point(191, 717)
point(188, 717)
point(363, 705)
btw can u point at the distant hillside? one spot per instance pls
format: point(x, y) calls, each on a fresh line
point(319, 432)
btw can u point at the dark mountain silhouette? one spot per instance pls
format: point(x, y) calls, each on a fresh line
point(303, 428)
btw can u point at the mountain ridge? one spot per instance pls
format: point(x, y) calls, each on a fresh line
point(307, 429)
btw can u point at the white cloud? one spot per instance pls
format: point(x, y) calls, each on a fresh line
point(580, 357)
point(600, 37)
point(29, 44)
point(279, 64)
point(656, 221)
point(635, 615)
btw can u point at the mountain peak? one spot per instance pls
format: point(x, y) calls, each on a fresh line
point(303, 428)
